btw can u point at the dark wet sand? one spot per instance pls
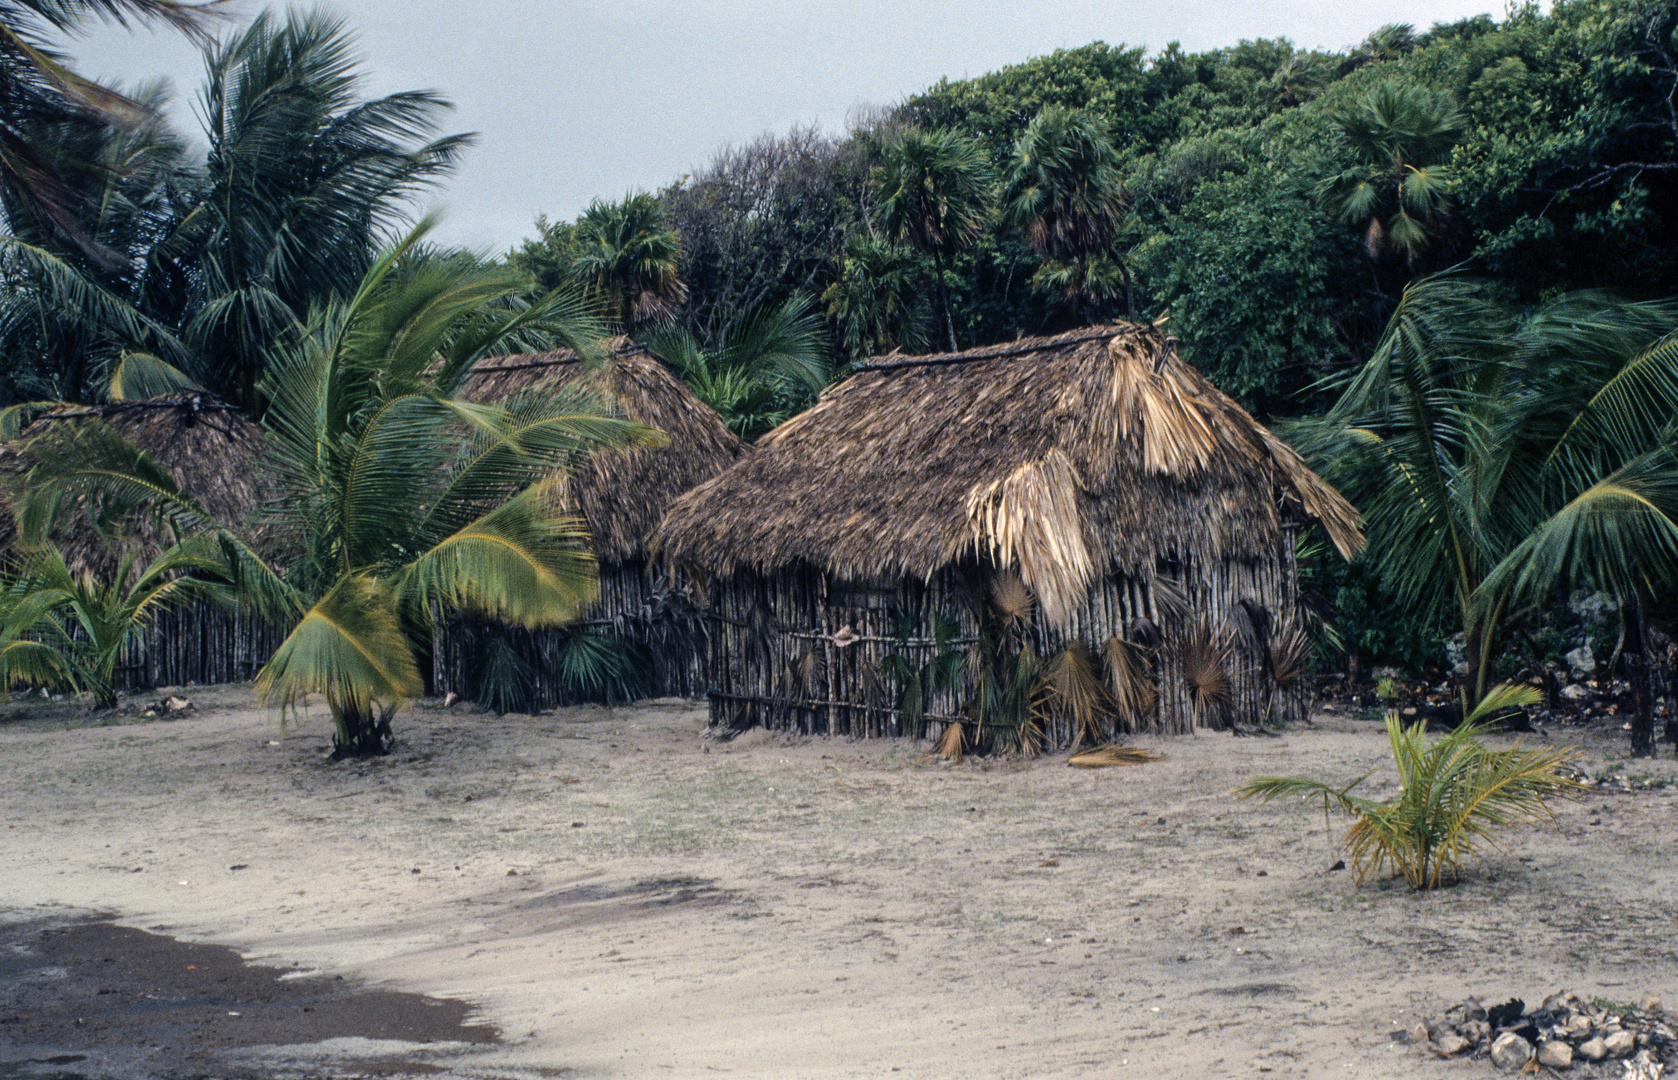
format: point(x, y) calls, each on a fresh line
point(91, 998)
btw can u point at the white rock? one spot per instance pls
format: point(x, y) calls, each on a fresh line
point(1582, 662)
point(1449, 1045)
point(1575, 692)
point(1620, 1044)
point(1593, 1049)
point(1511, 1052)
point(1555, 1053)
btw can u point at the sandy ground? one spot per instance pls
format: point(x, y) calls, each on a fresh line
point(624, 897)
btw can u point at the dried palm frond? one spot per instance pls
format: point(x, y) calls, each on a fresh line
point(1171, 598)
point(1290, 648)
point(951, 742)
point(872, 680)
point(810, 671)
point(1256, 624)
point(1129, 682)
point(1032, 519)
point(1102, 757)
point(1078, 696)
point(1205, 658)
point(1013, 599)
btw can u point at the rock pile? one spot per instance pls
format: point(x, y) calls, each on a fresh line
point(1564, 1034)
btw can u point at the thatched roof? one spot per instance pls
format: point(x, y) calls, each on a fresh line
point(209, 447)
point(1063, 457)
point(622, 495)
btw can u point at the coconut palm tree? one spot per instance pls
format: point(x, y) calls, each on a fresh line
point(1064, 192)
point(1497, 458)
point(63, 629)
point(1398, 189)
point(46, 108)
point(933, 192)
point(216, 261)
point(396, 501)
point(760, 370)
point(303, 183)
point(627, 257)
point(66, 316)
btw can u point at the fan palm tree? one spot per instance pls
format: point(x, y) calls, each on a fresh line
point(1398, 190)
point(760, 370)
point(1391, 41)
point(627, 256)
point(875, 301)
point(1064, 192)
point(1499, 458)
point(933, 192)
point(397, 501)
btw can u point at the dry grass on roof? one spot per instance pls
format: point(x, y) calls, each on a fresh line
point(1064, 457)
point(207, 444)
point(622, 495)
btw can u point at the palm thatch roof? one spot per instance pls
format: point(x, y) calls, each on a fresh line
point(1063, 457)
point(622, 495)
point(209, 447)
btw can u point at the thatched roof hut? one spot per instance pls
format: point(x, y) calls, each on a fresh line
point(1087, 461)
point(209, 447)
point(622, 495)
point(1062, 456)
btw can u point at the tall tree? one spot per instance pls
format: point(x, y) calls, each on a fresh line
point(626, 255)
point(303, 183)
point(1064, 191)
point(45, 106)
point(933, 191)
point(1498, 457)
point(1398, 190)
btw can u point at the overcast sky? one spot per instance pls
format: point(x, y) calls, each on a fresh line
point(576, 100)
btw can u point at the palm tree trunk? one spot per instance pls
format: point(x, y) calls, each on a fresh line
point(944, 300)
point(1636, 661)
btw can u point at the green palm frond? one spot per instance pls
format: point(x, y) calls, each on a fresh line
point(139, 375)
point(1619, 534)
point(518, 564)
point(33, 664)
point(1456, 798)
point(350, 648)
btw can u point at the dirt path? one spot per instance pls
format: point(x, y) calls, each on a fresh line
point(623, 897)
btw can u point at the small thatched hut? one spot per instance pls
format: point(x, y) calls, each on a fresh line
point(620, 495)
point(1145, 513)
point(211, 450)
